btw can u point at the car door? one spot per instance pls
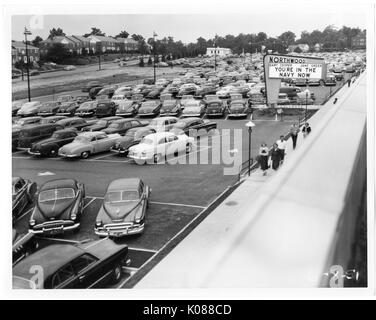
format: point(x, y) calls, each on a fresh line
point(162, 146)
point(173, 144)
point(101, 143)
point(64, 278)
point(89, 271)
point(67, 138)
point(125, 127)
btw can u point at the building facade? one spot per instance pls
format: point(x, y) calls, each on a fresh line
point(128, 44)
point(359, 41)
point(19, 52)
point(218, 51)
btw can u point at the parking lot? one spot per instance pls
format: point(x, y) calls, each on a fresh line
point(180, 192)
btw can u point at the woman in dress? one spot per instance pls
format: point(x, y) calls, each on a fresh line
point(263, 158)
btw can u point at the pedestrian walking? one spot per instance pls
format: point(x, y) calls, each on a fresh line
point(306, 129)
point(349, 82)
point(294, 130)
point(275, 155)
point(281, 142)
point(263, 158)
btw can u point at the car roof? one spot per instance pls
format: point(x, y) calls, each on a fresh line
point(50, 258)
point(90, 134)
point(111, 118)
point(125, 120)
point(66, 130)
point(39, 126)
point(124, 183)
point(63, 121)
point(59, 183)
point(158, 135)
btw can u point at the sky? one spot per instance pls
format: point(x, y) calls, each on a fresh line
point(188, 27)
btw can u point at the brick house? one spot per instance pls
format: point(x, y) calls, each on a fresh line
point(70, 44)
point(104, 44)
point(128, 44)
point(19, 52)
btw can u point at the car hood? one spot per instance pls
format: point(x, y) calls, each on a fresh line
point(146, 109)
point(28, 108)
point(214, 106)
point(168, 108)
point(124, 142)
point(128, 107)
point(55, 208)
point(237, 108)
point(191, 110)
point(44, 141)
point(124, 211)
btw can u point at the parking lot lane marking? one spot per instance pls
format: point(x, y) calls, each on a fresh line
point(105, 156)
point(177, 204)
point(27, 157)
point(141, 249)
point(91, 201)
point(115, 161)
point(28, 211)
point(63, 240)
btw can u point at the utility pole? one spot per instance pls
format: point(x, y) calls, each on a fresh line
point(26, 33)
point(215, 53)
point(154, 35)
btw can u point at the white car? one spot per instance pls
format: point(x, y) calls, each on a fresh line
point(29, 109)
point(161, 124)
point(157, 146)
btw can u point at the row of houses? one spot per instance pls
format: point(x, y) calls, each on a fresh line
point(75, 44)
point(93, 43)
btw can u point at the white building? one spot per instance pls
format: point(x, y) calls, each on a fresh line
point(218, 51)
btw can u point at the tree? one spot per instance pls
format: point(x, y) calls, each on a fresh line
point(122, 34)
point(298, 50)
point(137, 37)
point(95, 32)
point(36, 41)
point(288, 38)
point(56, 32)
point(57, 53)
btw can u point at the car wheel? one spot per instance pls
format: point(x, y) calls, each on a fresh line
point(53, 152)
point(85, 154)
point(116, 274)
point(188, 148)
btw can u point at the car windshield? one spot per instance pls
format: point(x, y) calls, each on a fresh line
point(121, 196)
point(56, 194)
point(147, 141)
point(81, 139)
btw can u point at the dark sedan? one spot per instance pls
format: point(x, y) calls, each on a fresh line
point(205, 90)
point(86, 109)
point(149, 108)
point(84, 265)
point(170, 108)
point(49, 147)
point(194, 127)
point(127, 108)
point(67, 108)
point(108, 91)
point(124, 208)
point(155, 93)
point(123, 125)
point(238, 109)
point(105, 108)
point(82, 99)
point(90, 85)
point(48, 108)
point(131, 138)
point(101, 124)
point(23, 192)
point(59, 207)
point(75, 123)
point(94, 91)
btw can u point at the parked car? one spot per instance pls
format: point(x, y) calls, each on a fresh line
point(81, 99)
point(131, 138)
point(90, 85)
point(52, 119)
point(108, 91)
point(76, 123)
point(67, 108)
point(29, 109)
point(65, 98)
point(204, 90)
point(193, 127)
point(283, 99)
point(124, 208)
point(49, 147)
point(59, 207)
point(19, 123)
point(157, 146)
point(94, 91)
point(137, 97)
point(188, 88)
point(105, 108)
point(23, 192)
point(170, 108)
point(69, 68)
point(292, 92)
point(86, 109)
point(48, 108)
point(149, 108)
point(121, 126)
point(155, 93)
point(162, 123)
point(127, 108)
point(84, 265)
point(33, 133)
point(238, 108)
point(214, 106)
point(186, 99)
point(101, 124)
point(194, 108)
point(88, 143)
point(23, 246)
point(16, 105)
point(126, 91)
point(118, 97)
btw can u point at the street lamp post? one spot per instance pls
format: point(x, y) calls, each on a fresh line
point(306, 103)
point(250, 125)
point(154, 72)
point(215, 53)
point(26, 33)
